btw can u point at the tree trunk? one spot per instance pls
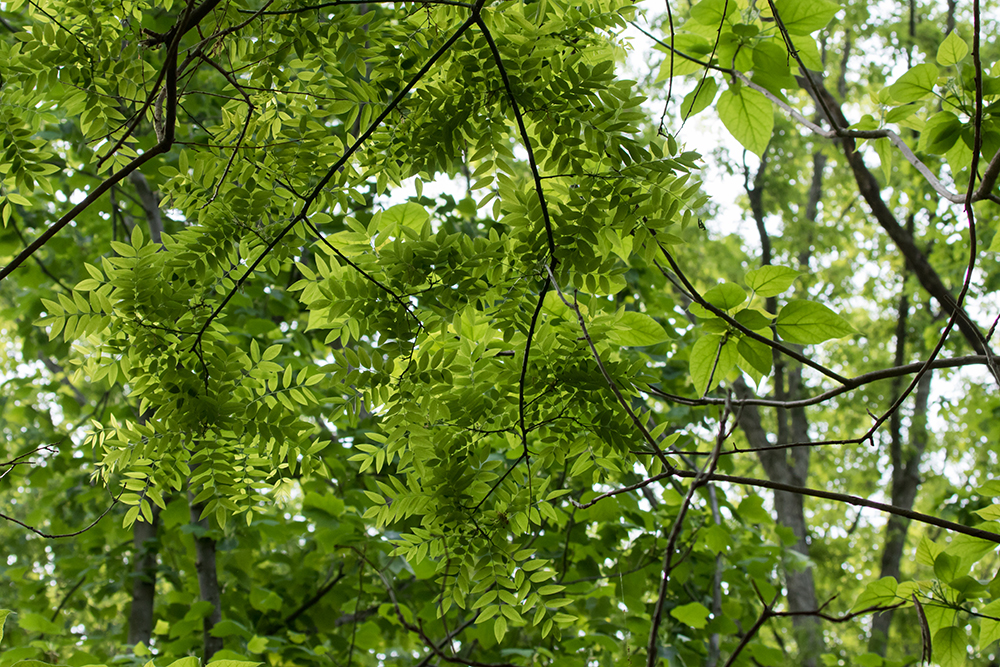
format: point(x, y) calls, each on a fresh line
point(905, 482)
point(788, 466)
point(790, 512)
point(208, 579)
point(145, 549)
point(870, 190)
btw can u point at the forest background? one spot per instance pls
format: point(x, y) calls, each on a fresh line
point(266, 400)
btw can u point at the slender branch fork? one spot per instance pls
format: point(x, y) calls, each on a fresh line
point(857, 501)
point(701, 478)
point(417, 629)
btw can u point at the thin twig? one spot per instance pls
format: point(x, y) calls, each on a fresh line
point(700, 479)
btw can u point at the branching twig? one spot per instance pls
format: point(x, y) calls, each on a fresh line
point(857, 501)
point(700, 479)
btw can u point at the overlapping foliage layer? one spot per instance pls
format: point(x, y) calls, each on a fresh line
point(275, 402)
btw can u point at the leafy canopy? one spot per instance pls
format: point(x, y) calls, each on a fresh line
point(496, 426)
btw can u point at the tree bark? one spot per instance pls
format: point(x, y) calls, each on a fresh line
point(150, 204)
point(208, 579)
point(905, 482)
point(790, 512)
point(788, 466)
point(145, 549)
point(870, 190)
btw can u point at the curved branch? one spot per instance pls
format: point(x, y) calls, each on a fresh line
point(857, 501)
point(773, 344)
point(851, 383)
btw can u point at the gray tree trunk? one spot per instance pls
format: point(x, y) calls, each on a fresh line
point(208, 581)
point(145, 549)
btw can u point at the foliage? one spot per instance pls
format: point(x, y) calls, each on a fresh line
point(511, 423)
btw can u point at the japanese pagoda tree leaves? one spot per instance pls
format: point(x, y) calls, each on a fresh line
point(421, 422)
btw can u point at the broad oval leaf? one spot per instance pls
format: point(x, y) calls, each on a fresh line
point(410, 215)
point(749, 117)
point(698, 99)
point(950, 646)
point(877, 594)
point(940, 133)
point(771, 280)
point(915, 85)
point(726, 296)
point(803, 17)
point(712, 12)
point(752, 319)
point(989, 629)
point(636, 330)
point(3, 619)
point(952, 51)
point(756, 354)
point(694, 615)
point(712, 357)
point(808, 322)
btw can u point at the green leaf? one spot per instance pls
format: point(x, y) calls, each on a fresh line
point(31, 622)
point(989, 629)
point(991, 513)
point(637, 330)
point(808, 322)
point(940, 133)
point(768, 656)
point(752, 511)
point(136, 237)
point(748, 115)
point(877, 594)
point(884, 149)
point(915, 84)
point(712, 12)
point(950, 646)
point(752, 319)
point(410, 215)
point(803, 17)
point(4, 613)
point(947, 567)
point(967, 587)
point(712, 357)
point(952, 51)
point(869, 660)
point(228, 628)
point(698, 99)
point(500, 627)
point(927, 552)
point(726, 296)
point(771, 280)
point(257, 644)
point(757, 354)
point(693, 614)
point(189, 661)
